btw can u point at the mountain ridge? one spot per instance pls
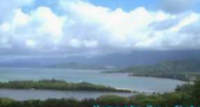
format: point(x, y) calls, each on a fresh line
point(118, 60)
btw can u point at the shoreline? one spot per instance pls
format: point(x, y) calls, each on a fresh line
point(59, 85)
point(41, 94)
point(149, 76)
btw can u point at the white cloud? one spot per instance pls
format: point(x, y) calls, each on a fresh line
point(75, 43)
point(5, 27)
point(90, 43)
point(50, 23)
point(40, 25)
point(7, 7)
point(20, 18)
point(134, 29)
point(31, 43)
point(193, 17)
point(121, 29)
point(86, 27)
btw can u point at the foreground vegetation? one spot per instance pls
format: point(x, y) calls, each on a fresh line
point(185, 70)
point(186, 95)
point(57, 85)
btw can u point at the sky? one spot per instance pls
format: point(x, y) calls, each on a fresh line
point(92, 27)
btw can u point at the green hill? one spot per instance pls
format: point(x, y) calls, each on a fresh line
point(57, 85)
point(181, 70)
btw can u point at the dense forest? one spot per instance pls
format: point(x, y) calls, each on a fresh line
point(187, 95)
point(57, 85)
point(182, 70)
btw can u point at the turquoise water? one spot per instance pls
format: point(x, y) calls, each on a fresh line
point(118, 80)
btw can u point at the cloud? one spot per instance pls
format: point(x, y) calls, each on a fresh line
point(75, 43)
point(8, 6)
point(177, 6)
point(117, 26)
point(40, 28)
point(137, 29)
point(87, 28)
point(50, 23)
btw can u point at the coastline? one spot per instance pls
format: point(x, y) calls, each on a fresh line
point(59, 85)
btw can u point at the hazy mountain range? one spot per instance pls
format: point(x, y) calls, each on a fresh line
point(98, 61)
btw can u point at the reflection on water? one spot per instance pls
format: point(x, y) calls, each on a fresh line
point(141, 84)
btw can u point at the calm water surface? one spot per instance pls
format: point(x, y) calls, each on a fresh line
point(21, 95)
point(118, 80)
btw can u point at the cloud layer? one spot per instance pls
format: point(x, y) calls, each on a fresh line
point(177, 6)
point(83, 27)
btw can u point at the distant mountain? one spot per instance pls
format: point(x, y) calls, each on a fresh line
point(178, 69)
point(113, 60)
point(145, 57)
point(47, 63)
point(73, 65)
point(168, 66)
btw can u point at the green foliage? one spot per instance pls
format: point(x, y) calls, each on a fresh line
point(5, 102)
point(182, 70)
point(186, 97)
point(112, 100)
point(184, 88)
point(196, 90)
point(57, 85)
